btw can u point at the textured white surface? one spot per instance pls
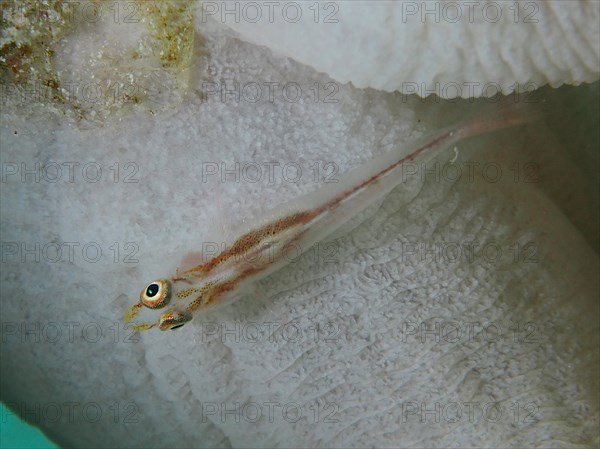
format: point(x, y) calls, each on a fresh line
point(368, 372)
point(452, 49)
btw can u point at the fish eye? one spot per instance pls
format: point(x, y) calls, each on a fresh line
point(173, 320)
point(157, 294)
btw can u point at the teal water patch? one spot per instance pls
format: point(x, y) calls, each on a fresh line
point(17, 434)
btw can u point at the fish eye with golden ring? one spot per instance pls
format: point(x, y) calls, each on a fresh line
point(157, 294)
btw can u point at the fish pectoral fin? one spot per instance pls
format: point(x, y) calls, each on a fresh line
point(143, 327)
point(132, 312)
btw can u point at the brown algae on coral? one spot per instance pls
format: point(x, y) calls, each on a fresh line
point(88, 59)
point(30, 31)
point(171, 24)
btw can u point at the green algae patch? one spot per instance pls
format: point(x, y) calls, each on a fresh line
point(90, 59)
